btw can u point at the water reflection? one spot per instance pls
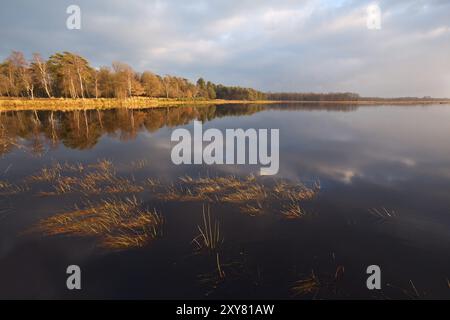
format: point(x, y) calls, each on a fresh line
point(83, 129)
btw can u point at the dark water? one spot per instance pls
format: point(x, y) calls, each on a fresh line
point(369, 160)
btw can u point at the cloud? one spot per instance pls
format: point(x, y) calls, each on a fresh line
point(311, 45)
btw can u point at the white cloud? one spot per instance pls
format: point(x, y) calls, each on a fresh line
point(274, 45)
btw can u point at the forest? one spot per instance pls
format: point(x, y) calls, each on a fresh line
point(344, 97)
point(69, 75)
point(296, 96)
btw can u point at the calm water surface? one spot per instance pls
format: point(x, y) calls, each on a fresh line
point(369, 160)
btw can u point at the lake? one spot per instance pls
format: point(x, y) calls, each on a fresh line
point(357, 186)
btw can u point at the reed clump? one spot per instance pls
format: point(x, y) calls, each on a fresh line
point(97, 178)
point(117, 223)
point(7, 188)
point(139, 164)
point(293, 211)
point(210, 238)
point(251, 195)
point(309, 284)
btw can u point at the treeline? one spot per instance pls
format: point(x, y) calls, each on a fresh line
point(297, 96)
point(68, 75)
point(339, 96)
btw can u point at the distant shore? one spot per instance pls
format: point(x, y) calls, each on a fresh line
point(62, 104)
point(377, 102)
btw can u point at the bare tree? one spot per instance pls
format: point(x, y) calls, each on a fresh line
point(124, 75)
point(19, 70)
point(41, 67)
point(166, 84)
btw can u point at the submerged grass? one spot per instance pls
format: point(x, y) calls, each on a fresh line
point(7, 188)
point(117, 223)
point(123, 223)
point(293, 211)
point(252, 209)
point(97, 178)
point(209, 238)
point(315, 284)
point(307, 285)
point(250, 194)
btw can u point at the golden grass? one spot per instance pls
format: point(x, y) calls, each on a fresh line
point(209, 238)
point(117, 223)
point(97, 178)
point(152, 182)
point(101, 177)
point(103, 165)
point(315, 284)
point(308, 285)
point(110, 103)
point(220, 189)
point(252, 209)
point(251, 195)
point(139, 164)
point(66, 104)
point(295, 192)
point(7, 188)
point(293, 211)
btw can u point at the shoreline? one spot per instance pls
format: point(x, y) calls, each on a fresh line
point(63, 104)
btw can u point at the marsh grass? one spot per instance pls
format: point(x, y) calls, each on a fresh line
point(223, 274)
point(293, 211)
point(7, 188)
point(252, 209)
point(117, 223)
point(307, 285)
point(151, 182)
point(382, 215)
point(139, 164)
point(104, 165)
point(315, 284)
point(210, 238)
point(251, 195)
point(97, 178)
point(65, 104)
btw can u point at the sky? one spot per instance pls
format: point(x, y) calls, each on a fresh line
point(271, 45)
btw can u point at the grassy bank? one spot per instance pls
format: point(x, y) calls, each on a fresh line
point(104, 103)
point(18, 104)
